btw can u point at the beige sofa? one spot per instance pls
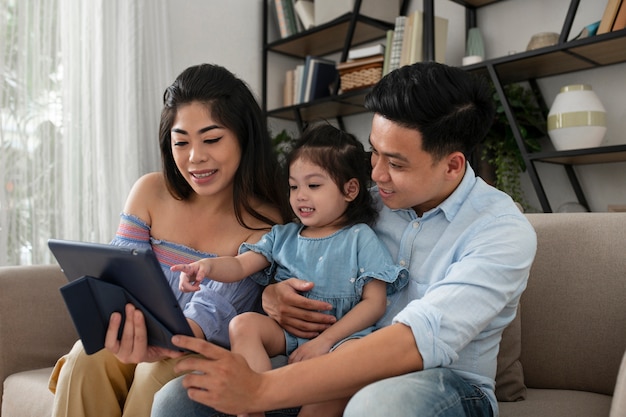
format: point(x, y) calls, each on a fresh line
point(572, 327)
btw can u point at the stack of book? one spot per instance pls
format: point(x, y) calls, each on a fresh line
point(404, 42)
point(314, 79)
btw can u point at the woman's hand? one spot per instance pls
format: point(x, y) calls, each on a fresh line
point(133, 346)
point(298, 315)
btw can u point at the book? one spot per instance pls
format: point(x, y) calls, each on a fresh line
point(288, 88)
point(588, 31)
point(620, 18)
point(412, 44)
point(286, 18)
point(297, 83)
point(305, 11)
point(396, 44)
point(321, 76)
point(406, 41)
point(608, 17)
point(365, 51)
point(389, 39)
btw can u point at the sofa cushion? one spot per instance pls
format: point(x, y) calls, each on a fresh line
point(575, 300)
point(557, 403)
point(21, 388)
point(510, 375)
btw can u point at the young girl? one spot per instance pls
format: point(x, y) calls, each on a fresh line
point(332, 245)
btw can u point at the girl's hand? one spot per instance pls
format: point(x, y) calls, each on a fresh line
point(191, 275)
point(315, 347)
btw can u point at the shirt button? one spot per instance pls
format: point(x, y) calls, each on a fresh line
point(416, 225)
point(402, 263)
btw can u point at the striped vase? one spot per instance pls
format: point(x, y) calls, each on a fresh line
point(577, 118)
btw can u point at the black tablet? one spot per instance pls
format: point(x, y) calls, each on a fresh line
point(104, 278)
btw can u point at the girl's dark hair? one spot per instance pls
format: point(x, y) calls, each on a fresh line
point(231, 103)
point(343, 157)
point(451, 108)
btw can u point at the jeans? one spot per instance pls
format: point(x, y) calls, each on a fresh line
point(172, 401)
point(437, 392)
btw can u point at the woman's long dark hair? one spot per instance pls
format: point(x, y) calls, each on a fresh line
point(231, 103)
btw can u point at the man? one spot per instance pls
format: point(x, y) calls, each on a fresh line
point(468, 250)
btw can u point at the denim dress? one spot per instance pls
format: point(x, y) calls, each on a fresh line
point(339, 265)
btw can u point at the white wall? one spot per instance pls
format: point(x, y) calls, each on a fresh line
point(228, 32)
point(223, 32)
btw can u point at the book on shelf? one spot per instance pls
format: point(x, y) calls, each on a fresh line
point(396, 43)
point(288, 90)
point(365, 51)
point(320, 75)
point(411, 50)
point(361, 62)
point(305, 11)
point(407, 40)
point(297, 83)
point(608, 17)
point(286, 17)
point(388, 40)
point(620, 18)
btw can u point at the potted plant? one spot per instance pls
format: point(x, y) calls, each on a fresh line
point(499, 148)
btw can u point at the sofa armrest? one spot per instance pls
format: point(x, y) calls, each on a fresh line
point(618, 406)
point(35, 327)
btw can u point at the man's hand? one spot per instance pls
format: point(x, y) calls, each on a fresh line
point(221, 379)
point(298, 315)
point(133, 346)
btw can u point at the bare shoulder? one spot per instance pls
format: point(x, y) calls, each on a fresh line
point(146, 193)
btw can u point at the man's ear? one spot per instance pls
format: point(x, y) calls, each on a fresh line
point(351, 189)
point(456, 164)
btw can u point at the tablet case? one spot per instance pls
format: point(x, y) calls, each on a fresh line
point(104, 278)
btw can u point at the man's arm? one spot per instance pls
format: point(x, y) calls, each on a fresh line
point(224, 380)
point(298, 315)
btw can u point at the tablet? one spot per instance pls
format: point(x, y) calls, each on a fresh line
point(104, 278)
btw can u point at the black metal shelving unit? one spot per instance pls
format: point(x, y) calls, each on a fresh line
point(564, 57)
point(353, 29)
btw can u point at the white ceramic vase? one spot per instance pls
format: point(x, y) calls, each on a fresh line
point(577, 118)
point(475, 48)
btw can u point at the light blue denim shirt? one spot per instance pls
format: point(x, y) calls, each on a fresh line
point(468, 261)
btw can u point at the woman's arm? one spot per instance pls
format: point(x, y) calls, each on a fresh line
point(361, 316)
point(224, 380)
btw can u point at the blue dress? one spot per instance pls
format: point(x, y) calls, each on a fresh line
point(339, 265)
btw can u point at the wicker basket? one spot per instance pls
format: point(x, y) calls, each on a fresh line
point(360, 73)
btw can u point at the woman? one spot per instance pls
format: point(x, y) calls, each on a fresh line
point(217, 190)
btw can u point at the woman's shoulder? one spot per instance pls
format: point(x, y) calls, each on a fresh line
point(145, 194)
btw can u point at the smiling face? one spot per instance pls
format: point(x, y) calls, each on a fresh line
point(406, 175)
point(316, 199)
point(206, 153)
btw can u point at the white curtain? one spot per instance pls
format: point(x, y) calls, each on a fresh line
point(82, 85)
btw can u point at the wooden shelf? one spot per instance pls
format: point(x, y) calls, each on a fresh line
point(326, 108)
point(597, 155)
point(331, 37)
point(475, 3)
point(581, 54)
